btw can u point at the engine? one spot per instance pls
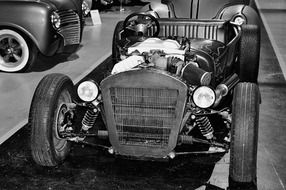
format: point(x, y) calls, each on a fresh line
point(190, 59)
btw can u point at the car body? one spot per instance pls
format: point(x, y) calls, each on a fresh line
point(46, 26)
point(178, 86)
point(203, 9)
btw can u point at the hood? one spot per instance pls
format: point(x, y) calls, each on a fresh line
point(65, 4)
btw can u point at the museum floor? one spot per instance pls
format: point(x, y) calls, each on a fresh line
point(17, 90)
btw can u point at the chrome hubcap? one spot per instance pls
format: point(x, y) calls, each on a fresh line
point(10, 50)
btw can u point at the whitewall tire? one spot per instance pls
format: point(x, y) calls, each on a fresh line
point(15, 52)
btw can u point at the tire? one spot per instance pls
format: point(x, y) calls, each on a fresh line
point(244, 133)
point(47, 111)
point(17, 54)
point(249, 53)
point(115, 50)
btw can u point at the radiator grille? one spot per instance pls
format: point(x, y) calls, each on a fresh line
point(144, 116)
point(70, 27)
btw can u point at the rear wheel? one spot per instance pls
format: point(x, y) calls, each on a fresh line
point(249, 52)
point(244, 133)
point(17, 54)
point(47, 116)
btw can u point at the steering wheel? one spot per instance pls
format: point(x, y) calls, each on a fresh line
point(139, 23)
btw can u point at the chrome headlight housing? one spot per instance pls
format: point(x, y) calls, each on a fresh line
point(88, 91)
point(56, 20)
point(204, 97)
point(239, 20)
point(86, 6)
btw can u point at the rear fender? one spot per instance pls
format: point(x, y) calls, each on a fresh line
point(247, 12)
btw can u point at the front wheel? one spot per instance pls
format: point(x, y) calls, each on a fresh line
point(47, 116)
point(249, 53)
point(244, 133)
point(17, 54)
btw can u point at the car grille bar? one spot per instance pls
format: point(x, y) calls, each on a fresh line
point(70, 27)
point(143, 110)
point(144, 117)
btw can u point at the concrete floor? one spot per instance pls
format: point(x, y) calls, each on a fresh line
point(17, 90)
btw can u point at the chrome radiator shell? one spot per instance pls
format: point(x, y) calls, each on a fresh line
point(143, 109)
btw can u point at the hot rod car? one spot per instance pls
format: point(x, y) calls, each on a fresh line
point(178, 86)
point(29, 27)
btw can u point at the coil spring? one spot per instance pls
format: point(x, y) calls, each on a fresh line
point(205, 126)
point(89, 119)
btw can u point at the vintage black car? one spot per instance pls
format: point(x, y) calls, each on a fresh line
point(28, 27)
point(178, 87)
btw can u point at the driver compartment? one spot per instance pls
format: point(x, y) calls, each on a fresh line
point(216, 38)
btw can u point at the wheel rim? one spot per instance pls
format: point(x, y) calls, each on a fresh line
point(61, 144)
point(14, 52)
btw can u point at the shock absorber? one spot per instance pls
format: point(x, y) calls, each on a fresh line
point(89, 119)
point(205, 126)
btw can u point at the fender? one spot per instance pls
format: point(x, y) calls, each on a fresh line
point(244, 11)
point(33, 20)
point(200, 9)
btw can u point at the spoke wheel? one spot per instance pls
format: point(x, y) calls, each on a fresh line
point(60, 143)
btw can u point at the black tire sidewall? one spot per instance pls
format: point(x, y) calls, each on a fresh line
point(249, 53)
point(64, 86)
point(33, 54)
point(244, 133)
point(43, 115)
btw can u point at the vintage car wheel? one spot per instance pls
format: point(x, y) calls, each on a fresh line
point(16, 53)
point(249, 52)
point(115, 50)
point(244, 133)
point(47, 113)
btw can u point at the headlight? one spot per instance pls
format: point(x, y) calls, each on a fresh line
point(204, 97)
point(88, 91)
point(85, 8)
point(56, 20)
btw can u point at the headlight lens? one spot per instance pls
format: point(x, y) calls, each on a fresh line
point(88, 91)
point(204, 97)
point(56, 20)
point(85, 8)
